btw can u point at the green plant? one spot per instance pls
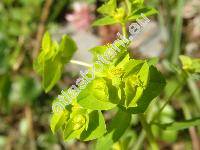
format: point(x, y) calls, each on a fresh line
point(53, 57)
point(125, 85)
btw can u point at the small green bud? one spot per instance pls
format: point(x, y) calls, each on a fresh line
point(119, 14)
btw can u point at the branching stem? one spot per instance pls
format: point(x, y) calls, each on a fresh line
point(147, 128)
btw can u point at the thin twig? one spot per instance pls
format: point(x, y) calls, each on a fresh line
point(149, 133)
point(178, 87)
point(166, 102)
point(192, 130)
point(194, 92)
point(41, 27)
point(140, 140)
point(29, 117)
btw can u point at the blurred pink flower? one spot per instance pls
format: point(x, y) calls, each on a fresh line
point(82, 16)
point(191, 8)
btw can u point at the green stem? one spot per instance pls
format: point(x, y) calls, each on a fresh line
point(147, 128)
point(139, 142)
point(166, 102)
point(124, 29)
point(127, 6)
point(81, 63)
point(179, 86)
point(177, 32)
point(192, 130)
point(195, 92)
point(168, 22)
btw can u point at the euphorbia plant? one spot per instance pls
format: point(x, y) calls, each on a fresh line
point(124, 84)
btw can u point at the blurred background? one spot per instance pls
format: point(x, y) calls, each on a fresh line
point(25, 109)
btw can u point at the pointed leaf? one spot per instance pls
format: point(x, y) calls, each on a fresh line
point(116, 129)
point(154, 87)
point(46, 42)
point(96, 127)
point(57, 120)
point(108, 8)
point(104, 21)
point(191, 65)
point(66, 49)
point(51, 74)
point(96, 96)
point(180, 125)
point(147, 11)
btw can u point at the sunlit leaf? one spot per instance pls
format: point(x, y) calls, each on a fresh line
point(105, 21)
point(96, 96)
point(136, 14)
point(96, 127)
point(58, 119)
point(66, 49)
point(154, 87)
point(191, 65)
point(180, 125)
point(52, 58)
point(116, 129)
point(108, 8)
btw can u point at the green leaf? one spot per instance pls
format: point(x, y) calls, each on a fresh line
point(96, 127)
point(132, 66)
point(98, 50)
point(50, 62)
point(129, 6)
point(66, 49)
point(130, 92)
point(70, 131)
point(138, 2)
point(136, 14)
point(166, 116)
point(104, 21)
point(116, 129)
point(127, 141)
point(58, 119)
point(154, 87)
point(51, 74)
point(153, 61)
point(108, 8)
point(196, 65)
point(186, 61)
point(76, 124)
point(135, 84)
point(46, 42)
point(96, 96)
point(164, 135)
point(191, 65)
point(39, 63)
point(180, 125)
